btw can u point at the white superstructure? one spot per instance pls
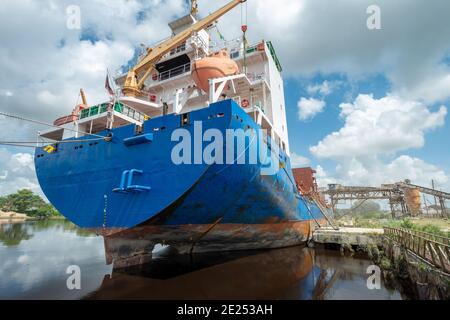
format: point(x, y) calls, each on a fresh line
point(171, 89)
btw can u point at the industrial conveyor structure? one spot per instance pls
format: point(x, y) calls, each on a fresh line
point(404, 197)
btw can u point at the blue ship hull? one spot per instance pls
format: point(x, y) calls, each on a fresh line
point(131, 183)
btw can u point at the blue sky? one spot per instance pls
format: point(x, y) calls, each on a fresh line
point(304, 134)
point(364, 106)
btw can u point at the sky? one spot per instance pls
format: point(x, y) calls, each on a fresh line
point(364, 106)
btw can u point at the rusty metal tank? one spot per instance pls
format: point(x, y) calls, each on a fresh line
point(413, 200)
point(217, 65)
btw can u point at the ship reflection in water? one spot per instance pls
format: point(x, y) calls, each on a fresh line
point(34, 258)
point(290, 273)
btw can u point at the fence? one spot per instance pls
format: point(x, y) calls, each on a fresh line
point(432, 248)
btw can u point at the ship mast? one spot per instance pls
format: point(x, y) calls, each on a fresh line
point(142, 70)
point(194, 8)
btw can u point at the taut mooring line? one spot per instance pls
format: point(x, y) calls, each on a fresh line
point(45, 124)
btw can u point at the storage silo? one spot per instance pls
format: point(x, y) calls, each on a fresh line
point(413, 201)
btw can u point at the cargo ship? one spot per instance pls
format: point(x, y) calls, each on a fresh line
point(191, 151)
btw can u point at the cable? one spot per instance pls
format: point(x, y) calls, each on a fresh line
point(16, 145)
point(25, 143)
point(46, 124)
point(52, 142)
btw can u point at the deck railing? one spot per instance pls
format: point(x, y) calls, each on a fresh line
point(432, 248)
point(118, 107)
point(175, 72)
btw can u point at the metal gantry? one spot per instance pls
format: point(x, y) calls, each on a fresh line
point(394, 193)
point(440, 195)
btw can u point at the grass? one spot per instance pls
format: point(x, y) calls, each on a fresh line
point(385, 263)
point(437, 227)
point(440, 227)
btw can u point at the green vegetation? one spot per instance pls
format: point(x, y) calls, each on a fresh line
point(435, 226)
point(385, 263)
point(14, 234)
point(26, 202)
point(363, 209)
point(368, 214)
point(414, 225)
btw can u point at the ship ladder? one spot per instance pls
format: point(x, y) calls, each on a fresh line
point(309, 209)
point(323, 210)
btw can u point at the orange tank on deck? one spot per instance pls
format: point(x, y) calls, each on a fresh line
point(71, 117)
point(217, 65)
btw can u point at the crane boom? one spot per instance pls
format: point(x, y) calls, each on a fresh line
point(83, 97)
point(134, 83)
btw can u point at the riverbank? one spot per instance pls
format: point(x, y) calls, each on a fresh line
point(14, 217)
point(403, 268)
point(423, 280)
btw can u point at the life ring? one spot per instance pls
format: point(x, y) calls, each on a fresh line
point(245, 103)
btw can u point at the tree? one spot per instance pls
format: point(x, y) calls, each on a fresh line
point(3, 202)
point(362, 207)
point(12, 235)
point(25, 201)
point(46, 210)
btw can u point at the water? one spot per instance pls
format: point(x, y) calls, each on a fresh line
point(34, 257)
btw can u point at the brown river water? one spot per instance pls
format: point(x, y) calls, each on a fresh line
point(35, 257)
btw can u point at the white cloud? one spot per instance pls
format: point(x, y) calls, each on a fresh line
point(374, 131)
point(23, 259)
point(409, 49)
point(375, 172)
point(17, 172)
point(309, 108)
point(6, 93)
point(323, 179)
point(379, 126)
point(416, 170)
point(44, 63)
point(298, 160)
point(324, 89)
point(42, 263)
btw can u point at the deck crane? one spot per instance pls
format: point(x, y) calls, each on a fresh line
point(137, 75)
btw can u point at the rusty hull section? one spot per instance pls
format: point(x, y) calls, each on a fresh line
point(134, 246)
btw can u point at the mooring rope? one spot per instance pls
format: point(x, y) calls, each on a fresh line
point(52, 142)
point(27, 144)
point(17, 145)
point(46, 124)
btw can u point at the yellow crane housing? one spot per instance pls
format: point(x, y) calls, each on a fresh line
point(141, 71)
